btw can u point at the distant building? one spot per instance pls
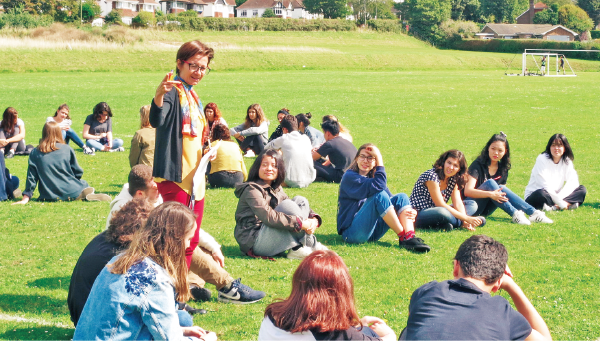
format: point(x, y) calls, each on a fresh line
point(204, 8)
point(129, 8)
point(516, 31)
point(282, 8)
point(527, 16)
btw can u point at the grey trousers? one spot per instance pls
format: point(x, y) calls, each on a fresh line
point(271, 241)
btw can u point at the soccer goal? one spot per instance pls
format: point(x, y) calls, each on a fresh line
point(544, 63)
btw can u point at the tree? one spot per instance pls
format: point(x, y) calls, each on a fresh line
point(112, 17)
point(144, 19)
point(465, 9)
point(573, 17)
point(547, 16)
point(502, 10)
point(331, 9)
point(268, 13)
point(372, 9)
point(592, 7)
point(426, 15)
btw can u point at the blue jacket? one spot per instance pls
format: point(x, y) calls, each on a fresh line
point(138, 305)
point(354, 191)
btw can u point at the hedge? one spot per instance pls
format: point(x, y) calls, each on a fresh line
point(595, 34)
point(260, 24)
point(382, 25)
point(519, 46)
point(24, 20)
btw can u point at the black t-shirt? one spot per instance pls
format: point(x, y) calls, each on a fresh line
point(94, 258)
point(481, 172)
point(97, 128)
point(459, 310)
point(340, 151)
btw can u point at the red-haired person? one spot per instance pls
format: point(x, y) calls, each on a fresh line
point(321, 306)
point(213, 117)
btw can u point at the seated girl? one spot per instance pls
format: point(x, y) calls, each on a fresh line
point(279, 130)
point(61, 116)
point(252, 134)
point(97, 130)
point(228, 168)
point(367, 208)
point(344, 132)
point(143, 142)
point(54, 166)
point(321, 306)
point(12, 134)
point(316, 136)
point(213, 118)
point(486, 185)
point(133, 297)
point(433, 190)
point(267, 221)
point(554, 184)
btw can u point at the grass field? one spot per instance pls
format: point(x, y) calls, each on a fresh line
point(412, 113)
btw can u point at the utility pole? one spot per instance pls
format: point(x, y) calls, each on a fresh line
point(81, 11)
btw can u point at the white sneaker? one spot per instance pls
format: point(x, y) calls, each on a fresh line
point(88, 151)
point(301, 253)
point(547, 208)
point(520, 218)
point(319, 247)
point(540, 217)
point(249, 153)
point(120, 149)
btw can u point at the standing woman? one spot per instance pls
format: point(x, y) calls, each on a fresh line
point(97, 130)
point(61, 116)
point(486, 185)
point(213, 118)
point(367, 208)
point(143, 142)
point(176, 113)
point(12, 134)
point(252, 134)
point(433, 190)
point(316, 136)
point(554, 184)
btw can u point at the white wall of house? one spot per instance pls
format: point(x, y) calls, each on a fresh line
point(301, 13)
point(250, 13)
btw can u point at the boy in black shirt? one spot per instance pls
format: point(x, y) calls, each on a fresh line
point(340, 151)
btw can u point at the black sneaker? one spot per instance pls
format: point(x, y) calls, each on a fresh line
point(200, 294)
point(239, 293)
point(9, 155)
point(414, 244)
point(191, 310)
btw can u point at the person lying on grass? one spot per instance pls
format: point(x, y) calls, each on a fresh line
point(321, 306)
point(133, 296)
point(486, 186)
point(554, 184)
point(463, 309)
point(435, 187)
point(367, 208)
point(267, 222)
point(54, 166)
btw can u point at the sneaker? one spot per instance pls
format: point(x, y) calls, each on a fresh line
point(191, 310)
point(88, 151)
point(301, 253)
point(574, 206)
point(540, 217)
point(200, 294)
point(249, 153)
point(547, 208)
point(239, 293)
point(519, 218)
point(10, 154)
point(319, 247)
point(414, 244)
point(86, 191)
point(120, 149)
point(446, 227)
point(98, 197)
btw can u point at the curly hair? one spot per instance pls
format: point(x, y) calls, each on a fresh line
point(460, 176)
point(126, 221)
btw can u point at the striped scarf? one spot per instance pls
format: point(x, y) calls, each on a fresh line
point(190, 124)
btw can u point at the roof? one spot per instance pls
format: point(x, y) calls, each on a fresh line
point(151, 2)
point(299, 4)
point(515, 29)
point(252, 4)
point(540, 5)
point(228, 2)
point(126, 12)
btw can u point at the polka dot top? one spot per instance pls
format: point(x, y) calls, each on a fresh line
point(420, 197)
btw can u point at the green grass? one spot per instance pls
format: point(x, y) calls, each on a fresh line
point(413, 116)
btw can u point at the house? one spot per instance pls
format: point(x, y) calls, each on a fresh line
point(204, 8)
point(255, 8)
point(129, 8)
point(527, 16)
point(526, 31)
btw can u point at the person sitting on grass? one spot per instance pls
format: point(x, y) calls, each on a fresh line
point(296, 150)
point(433, 190)
point(554, 184)
point(133, 296)
point(228, 168)
point(367, 208)
point(54, 166)
point(463, 309)
point(12, 135)
point(486, 186)
point(143, 142)
point(97, 130)
point(9, 184)
point(279, 130)
point(339, 151)
point(321, 306)
point(344, 132)
point(61, 116)
point(252, 134)
point(316, 137)
point(267, 222)
point(213, 118)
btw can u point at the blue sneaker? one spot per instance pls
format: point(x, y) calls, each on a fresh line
point(239, 293)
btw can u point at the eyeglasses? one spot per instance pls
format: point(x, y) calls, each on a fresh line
point(196, 67)
point(363, 158)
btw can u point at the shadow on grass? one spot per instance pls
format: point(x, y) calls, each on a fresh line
point(595, 205)
point(38, 333)
point(33, 304)
point(51, 283)
point(233, 251)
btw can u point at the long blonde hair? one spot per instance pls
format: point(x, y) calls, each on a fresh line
point(145, 116)
point(162, 239)
point(51, 135)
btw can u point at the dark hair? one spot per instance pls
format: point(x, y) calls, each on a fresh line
point(322, 297)
point(284, 111)
point(192, 48)
point(504, 163)
point(567, 155)
point(304, 119)
point(63, 106)
point(331, 126)
point(8, 120)
point(260, 116)
point(290, 123)
point(481, 257)
point(354, 165)
point(221, 132)
point(126, 221)
point(253, 172)
point(139, 176)
point(100, 108)
point(462, 162)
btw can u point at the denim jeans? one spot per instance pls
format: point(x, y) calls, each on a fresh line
point(8, 183)
point(487, 206)
point(436, 217)
point(72, 135)
point(368, 224)
point(98, 146)
point(185, 319)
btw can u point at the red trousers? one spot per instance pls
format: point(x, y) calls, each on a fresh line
point(171, 192)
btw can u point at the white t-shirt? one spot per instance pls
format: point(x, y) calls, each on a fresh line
point(559, 179)
point(66, 123)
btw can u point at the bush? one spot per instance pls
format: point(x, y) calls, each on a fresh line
point(519, 45)
point(189, 13)
point(380, 25)
point(113, 17)
point(595, 34)
point(462, 29)
point(268, 13)
point(262, 24)
point(144, 19)
point(18, 18)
